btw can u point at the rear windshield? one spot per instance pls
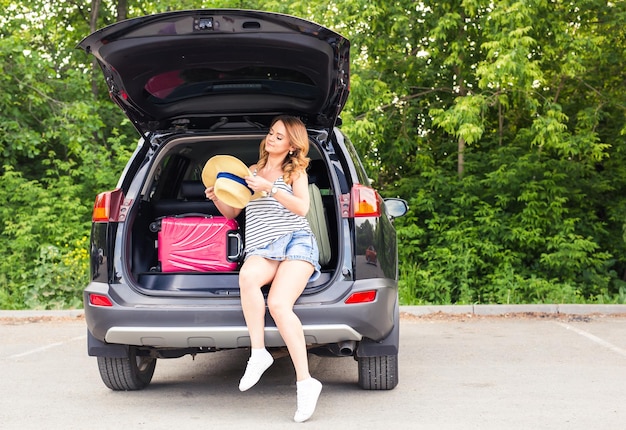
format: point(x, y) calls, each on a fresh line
point(176, 85)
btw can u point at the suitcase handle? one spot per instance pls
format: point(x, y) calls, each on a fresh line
point(238, 247)
point(193, 214)
point(155, 226)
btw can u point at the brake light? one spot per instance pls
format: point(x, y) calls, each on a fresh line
point(107, 207)
point(361, 297)
point(364, 202)
point(100, 300)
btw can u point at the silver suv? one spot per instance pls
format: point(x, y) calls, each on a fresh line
point(200, 83)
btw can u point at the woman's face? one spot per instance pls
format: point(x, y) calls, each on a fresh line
point(277, 140)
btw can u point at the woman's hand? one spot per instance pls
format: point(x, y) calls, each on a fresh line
point(258, 183)
point(227, 211)
point(210, 194)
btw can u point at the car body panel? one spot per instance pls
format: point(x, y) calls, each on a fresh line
point(168, 70)
point(211, 301)
point(219, 322)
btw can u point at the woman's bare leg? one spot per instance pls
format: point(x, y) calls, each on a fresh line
point(254, 274)
point(289, 283)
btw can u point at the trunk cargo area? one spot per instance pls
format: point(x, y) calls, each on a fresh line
point(174, 190)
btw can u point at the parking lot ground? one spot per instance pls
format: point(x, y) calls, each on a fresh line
point(461, 371)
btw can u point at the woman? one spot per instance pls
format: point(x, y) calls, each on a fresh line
point(280, 251)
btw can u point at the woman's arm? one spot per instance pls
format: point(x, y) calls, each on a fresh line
point(298, 202)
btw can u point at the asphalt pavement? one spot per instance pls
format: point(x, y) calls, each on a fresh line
point(464, 368)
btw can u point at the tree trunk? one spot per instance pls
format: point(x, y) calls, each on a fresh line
point(122, 10)
point(461, 157)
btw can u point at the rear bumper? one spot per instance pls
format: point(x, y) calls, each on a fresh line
point(170, 322)
point(220, 337)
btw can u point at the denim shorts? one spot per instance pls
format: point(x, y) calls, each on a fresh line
point(299, 245)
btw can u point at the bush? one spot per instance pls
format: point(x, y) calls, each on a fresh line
point(517, 234)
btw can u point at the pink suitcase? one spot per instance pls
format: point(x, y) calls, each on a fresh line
point(197, 243)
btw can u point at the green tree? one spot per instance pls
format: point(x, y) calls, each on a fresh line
point(59, 145)
point(531, 216)
point(502, 123)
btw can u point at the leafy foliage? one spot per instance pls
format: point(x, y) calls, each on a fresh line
point(502, 123)
point(530, 214)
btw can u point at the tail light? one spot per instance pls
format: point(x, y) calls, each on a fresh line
point(361, 297)
point(110, 207)
point(100, 300)
point(361, 202)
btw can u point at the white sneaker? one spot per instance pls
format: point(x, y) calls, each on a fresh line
point(254, 370)
point(308, 392)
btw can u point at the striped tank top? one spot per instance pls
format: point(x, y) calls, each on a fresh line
point(267, 219)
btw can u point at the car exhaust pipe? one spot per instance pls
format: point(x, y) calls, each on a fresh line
point(342, 349)
point(346, 348)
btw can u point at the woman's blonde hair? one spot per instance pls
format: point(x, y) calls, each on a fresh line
point(296, 162)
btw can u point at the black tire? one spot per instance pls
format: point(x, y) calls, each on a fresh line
point(127, 374)
point(378, 373)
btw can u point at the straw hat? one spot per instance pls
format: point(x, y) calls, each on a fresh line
point(225, 173)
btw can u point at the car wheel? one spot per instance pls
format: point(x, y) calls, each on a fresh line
point(378, 373)
point(128, 373)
